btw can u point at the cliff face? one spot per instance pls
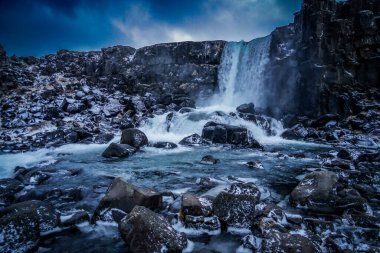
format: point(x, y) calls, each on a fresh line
point(327, 61)
point(187, 67)
point(79, 96)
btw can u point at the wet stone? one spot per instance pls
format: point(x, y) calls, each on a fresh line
point(118, 150)
point(124, 196)
point(317, 192)
point(134, 137)
point(209, 160)
point(8, 188)
point(76, 218)
point(236, 205)
point(194, 139)
point(47, 216)
point(146, 231)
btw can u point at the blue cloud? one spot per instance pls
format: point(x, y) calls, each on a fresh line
point(37, 27)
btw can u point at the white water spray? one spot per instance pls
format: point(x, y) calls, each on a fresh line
point(241, 73)
point(240, 80)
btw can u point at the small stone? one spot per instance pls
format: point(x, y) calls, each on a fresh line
point(209, 160)
point(118, 150)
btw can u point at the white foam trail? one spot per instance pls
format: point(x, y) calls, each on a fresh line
point(9, 161)
point(43, 156)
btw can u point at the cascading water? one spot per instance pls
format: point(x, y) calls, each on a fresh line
point(240, 80)
point(241, 73)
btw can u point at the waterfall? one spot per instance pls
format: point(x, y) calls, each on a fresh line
point(240, 80)
point(241, 73)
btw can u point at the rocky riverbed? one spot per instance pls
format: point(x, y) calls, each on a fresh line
point(196, 196)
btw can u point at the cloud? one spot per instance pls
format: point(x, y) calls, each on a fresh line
point(36, 27)
point(230, 20)
point(140, 29)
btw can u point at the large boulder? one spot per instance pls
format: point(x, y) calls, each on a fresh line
point(19, 232)
point(224, 134)
point(236, 206)
point(124, 196)
point(47, 216)
point(118, 150)
point(228, 134)
point(146, 231)
point(193, 139)
point(133, 137)
point(316, 192)
point(284, 243)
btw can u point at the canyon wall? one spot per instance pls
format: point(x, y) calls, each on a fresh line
point(327, 61)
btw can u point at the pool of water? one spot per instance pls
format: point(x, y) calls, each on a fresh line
point(178, 170)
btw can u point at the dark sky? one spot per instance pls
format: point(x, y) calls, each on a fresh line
point(38, 27)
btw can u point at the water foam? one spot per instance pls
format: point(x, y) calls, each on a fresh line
point(240, 80)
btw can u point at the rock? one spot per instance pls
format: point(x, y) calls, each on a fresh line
point(344, 154)
point(367, 191)
point(206, 182)
point(76, 218)
point(8, 188)
point(225, 134)
point(19, 232)
point(298, 155)
point(35, 177)
point(202, 223)
point(165, 145)
point(146, 231)
point(125, 196)
point(246, 108)
point(47, 216)
point(252, 143)
point(284, 242)
point(133, 137)
point(118, 150)
point(360, 219)
point(209, 160)
point(195, 206)
point(324, 119)
point(316, 192)
point(297, 132)
point(368, 157)
point(350, 198)
point(126, 122)
point(193, 139)
point(103, 138)
point(75, 108)
point(251, 243)
point(236, 206)
point(254, 165)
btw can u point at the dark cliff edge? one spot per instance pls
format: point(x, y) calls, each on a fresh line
point(187, 67)
point(328, 60)
point(71, 97)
